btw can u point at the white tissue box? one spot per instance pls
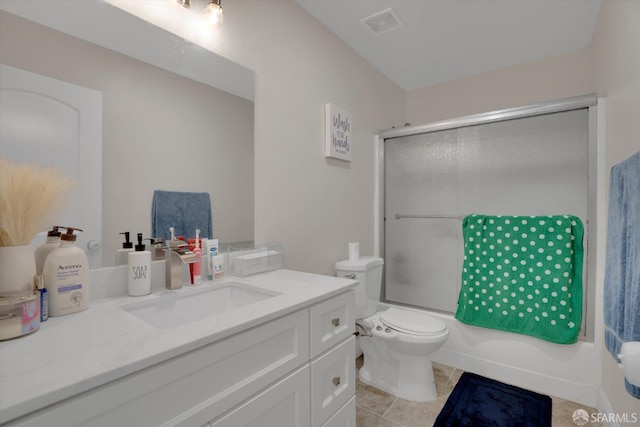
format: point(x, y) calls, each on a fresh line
point(259, 259)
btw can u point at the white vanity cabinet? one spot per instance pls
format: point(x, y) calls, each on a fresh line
point(322, 392)
point(296, 370)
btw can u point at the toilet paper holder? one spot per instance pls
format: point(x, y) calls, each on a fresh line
point(630, 361)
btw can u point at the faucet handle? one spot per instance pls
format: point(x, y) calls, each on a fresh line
point(187, 256)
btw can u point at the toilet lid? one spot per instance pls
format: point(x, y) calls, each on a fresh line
point(412, 322)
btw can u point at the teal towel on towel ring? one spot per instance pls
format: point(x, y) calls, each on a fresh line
point(523, 274)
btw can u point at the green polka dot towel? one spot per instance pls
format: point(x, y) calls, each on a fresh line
point(523, 274)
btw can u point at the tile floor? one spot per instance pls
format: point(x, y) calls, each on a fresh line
point(376, 408)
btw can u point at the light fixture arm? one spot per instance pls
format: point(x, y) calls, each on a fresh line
point(214, 12)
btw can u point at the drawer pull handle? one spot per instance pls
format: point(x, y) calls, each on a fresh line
point(336, 381)
point(335, 321)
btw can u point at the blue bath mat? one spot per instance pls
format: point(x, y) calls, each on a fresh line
point(477, 401)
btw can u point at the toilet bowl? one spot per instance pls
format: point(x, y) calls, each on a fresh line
point(398, 359)
point(397, 343)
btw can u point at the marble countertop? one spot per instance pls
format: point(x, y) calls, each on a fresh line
point(75, 353)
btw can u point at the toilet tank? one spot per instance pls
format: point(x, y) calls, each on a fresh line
point(367, 271)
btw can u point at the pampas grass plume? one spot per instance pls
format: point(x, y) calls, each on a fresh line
point(31, 197)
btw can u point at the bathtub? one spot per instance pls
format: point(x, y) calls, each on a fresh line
point(571, 372)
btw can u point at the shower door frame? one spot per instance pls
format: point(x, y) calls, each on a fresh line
point(589, 101)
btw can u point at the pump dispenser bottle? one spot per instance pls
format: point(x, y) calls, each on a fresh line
point(66, 277)
point(139, 263)
point(53, 241)
point(127, 247)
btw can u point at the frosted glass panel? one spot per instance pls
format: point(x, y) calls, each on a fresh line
point(421, 174)
point(421, 177)
point(529, 166)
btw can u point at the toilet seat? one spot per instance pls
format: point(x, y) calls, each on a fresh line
point(412, 322)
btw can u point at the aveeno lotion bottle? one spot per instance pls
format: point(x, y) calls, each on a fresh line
point(66, 277)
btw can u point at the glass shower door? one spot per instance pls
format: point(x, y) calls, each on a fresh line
point(527, 166)
point(422, 229)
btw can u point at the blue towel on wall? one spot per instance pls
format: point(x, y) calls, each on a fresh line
point(183, 211)
point(622, 271)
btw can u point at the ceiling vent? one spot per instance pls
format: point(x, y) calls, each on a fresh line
point(382, 22)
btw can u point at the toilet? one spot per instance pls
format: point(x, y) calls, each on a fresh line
point(397, 343)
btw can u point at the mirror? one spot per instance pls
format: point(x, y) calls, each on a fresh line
point(175, 116)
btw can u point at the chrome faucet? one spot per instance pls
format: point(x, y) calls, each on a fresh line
point(177, 255)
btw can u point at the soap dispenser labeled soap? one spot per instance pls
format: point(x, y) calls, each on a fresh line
point(66, 277)
point(139, 262)
point(122, 253)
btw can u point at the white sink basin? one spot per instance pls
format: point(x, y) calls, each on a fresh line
point(178, 308)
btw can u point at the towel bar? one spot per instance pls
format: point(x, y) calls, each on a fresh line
point(399, 216)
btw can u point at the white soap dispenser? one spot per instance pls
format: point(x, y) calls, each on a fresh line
point(122, 253)
point(66, 277)
point(139, 262)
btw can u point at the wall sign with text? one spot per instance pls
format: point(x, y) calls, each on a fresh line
point(337, 142)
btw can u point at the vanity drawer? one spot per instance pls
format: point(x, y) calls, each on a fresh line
point(332, 381)
point(284, 404)
point(331, 321)
point(345, 417)
point(193, 388)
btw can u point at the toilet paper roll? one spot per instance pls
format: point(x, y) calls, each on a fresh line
point(354, 251)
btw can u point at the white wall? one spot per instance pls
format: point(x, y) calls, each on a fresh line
point(312, 205)
point(616, 65)
point(552, 78)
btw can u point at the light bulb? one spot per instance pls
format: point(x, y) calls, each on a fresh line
point(213, 12)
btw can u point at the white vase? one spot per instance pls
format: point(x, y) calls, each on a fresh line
point(17, 268)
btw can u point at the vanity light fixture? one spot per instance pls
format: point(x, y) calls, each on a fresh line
point(213, 12)
point(184, 3)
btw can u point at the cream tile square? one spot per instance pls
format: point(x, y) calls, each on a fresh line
point(366, 418)
point(562, 413)
point(372, 399)
point(414, 414)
